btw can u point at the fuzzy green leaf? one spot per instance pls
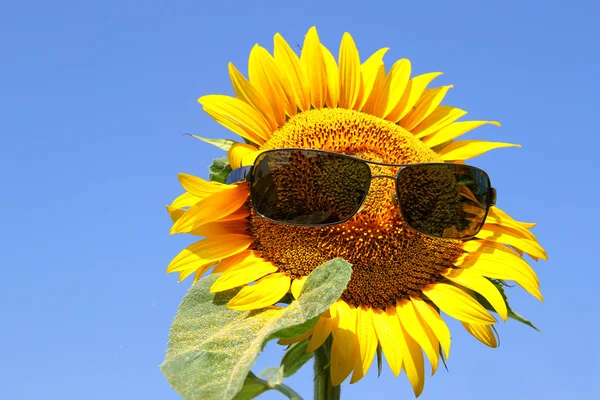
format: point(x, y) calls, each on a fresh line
point(223, 144)
point(219, 170)
point(511, 313)
point(212, 348)
point(295, 357)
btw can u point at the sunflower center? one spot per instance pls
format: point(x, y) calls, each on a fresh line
point(390, 260)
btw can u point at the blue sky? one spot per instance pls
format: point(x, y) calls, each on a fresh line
point(96, 96)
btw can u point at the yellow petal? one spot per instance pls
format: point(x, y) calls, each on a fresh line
point(438, 119)
point(266, 292)
point(314, 65)
point(321, 332)
point(431, 318)
point(198, 188)
point(199, 272)
point(503, 265)
point(413, 91)
point(212, 248)
point(412, 362)
point(504, 217)
point(286, 342)
point(393, 88)
point(237, 152)
point(412, 325)
point(503, 247)
point(458, 304)
point(245, 91)
point(466, 149)
point(483, 333)
point(430, 99)
point(486, 246)
point(506, 235)
point(349, 73)
point(242, 276)
point(370, 103)
point(513, 230)
point(454, 130)
point(262, 72)
point(212, 208)
point(344, 331)
point(175, 213)
point(493, 222)
point(387, 327)
point(340, 365)
point(297, 285)
point(367, 342)
point(235, 126)
point(220, 227)
point(186, 200)
point(333, 309)
point(198, 269)
point(344, 340)
point(474, 281)
point(239, 260)
point(289, 63)
point(333, 85)
point(432, 339)
point(287, 90)
point(370, 70)
point(240, 213)
point(497, 217)
point(237, 116)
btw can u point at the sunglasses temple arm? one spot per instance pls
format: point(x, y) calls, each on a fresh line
point(492, 196)
point(239, 175)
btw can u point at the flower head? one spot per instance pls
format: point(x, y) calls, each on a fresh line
point(401, 278)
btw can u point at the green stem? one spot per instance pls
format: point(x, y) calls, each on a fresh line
point(287, 391)
point(324, 390)
point(265, 385)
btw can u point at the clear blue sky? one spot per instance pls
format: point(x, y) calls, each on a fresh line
point(95, 98)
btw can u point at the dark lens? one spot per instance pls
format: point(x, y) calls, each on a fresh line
point(444, 200)
point(307, 187)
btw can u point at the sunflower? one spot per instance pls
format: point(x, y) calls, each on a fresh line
point(402, 280)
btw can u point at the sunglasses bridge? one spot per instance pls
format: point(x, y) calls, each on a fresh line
point(392, 192)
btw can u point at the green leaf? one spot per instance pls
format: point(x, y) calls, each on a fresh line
point(212, 348)
point(511, 313)
point(223, 144)
point(292, 331)
point(219, 170)
point(517, 317)
point(379, 359)
point(273, 375)
point(295, 357)
point(253, 386)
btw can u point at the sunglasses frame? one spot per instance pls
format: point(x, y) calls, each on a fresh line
point(246, 174)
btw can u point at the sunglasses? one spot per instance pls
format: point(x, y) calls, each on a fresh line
point(305, 187)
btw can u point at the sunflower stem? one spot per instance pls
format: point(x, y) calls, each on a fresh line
point(324, 390)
